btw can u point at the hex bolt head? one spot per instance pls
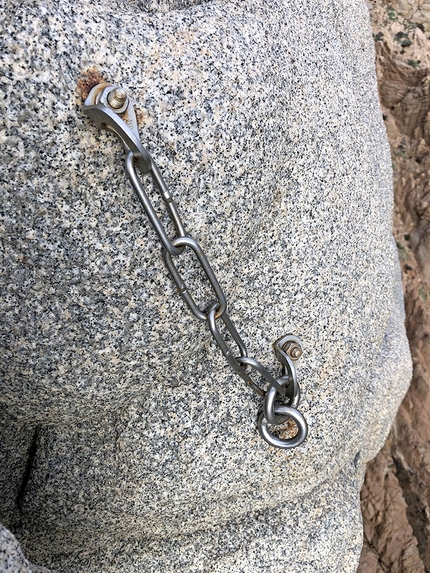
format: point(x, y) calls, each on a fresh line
point(296, 352)
point(117, 98)
point(293, 350)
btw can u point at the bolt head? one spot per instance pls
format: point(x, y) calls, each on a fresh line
point(117, 98)
point(293, 350)
point(296, 352)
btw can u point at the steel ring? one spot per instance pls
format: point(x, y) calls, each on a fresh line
point(269, 401)
point(288, 412)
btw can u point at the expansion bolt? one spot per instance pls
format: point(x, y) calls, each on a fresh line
point(292, 349)
point(117, 98)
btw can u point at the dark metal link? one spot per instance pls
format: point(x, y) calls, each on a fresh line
point(149, 209)
point(204, 263)
point(219, 339)
point(290, 374)
point(292, 392)
point(225, 349)
point(245, 361)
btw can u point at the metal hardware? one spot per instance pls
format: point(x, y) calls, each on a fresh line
point(282, 443)
point(117, 98)
point(149, 209)
point(292, 392)
point(110, 107)
point(192, 244)
point(288, 346)
point(121, 121)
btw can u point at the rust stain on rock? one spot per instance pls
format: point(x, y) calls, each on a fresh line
point(87, 81)
point(140, 117)
point(92, 77)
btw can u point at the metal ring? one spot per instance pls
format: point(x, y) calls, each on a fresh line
point(271, 395)
point(288, 412)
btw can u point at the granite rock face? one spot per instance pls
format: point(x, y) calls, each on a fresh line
point(12, 559)
point(130, 444)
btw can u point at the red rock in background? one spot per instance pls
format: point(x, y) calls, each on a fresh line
point(396, 491)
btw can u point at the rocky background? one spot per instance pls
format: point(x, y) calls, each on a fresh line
point(132, 446)
point(332, 79)
point(396, 491)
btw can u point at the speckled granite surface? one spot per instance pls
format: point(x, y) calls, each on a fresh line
point(12, 559)
point(264, 119)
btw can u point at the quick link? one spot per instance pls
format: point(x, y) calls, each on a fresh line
point(110, 107)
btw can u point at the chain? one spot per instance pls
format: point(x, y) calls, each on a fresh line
point(108, 106)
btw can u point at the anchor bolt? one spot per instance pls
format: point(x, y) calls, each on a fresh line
point(116, 98)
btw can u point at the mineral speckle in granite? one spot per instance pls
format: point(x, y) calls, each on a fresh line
point(264, 120)
point(12, 559)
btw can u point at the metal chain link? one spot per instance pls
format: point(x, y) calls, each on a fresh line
point(108, 106)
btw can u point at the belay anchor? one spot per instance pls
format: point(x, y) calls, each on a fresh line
point(110, 107)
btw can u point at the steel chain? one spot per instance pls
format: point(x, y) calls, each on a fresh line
point(123, 123)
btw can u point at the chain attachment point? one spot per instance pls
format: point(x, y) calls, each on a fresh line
point(109, 106)
point(121, 121)
point(292, 392)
